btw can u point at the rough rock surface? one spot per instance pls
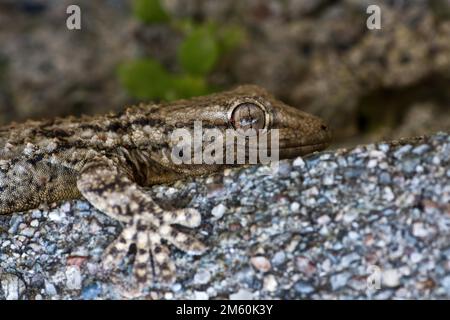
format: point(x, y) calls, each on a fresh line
point(319, 228)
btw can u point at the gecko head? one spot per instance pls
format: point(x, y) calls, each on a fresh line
point(250, 107)
point(300, 133)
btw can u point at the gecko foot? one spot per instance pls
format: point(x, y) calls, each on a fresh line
point(152, 259)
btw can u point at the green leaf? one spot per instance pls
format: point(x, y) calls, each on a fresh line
point(188, 86)
point(145, 79)
point(185, 25)
point(199, 52)
point(150, 11)
point(230, 38)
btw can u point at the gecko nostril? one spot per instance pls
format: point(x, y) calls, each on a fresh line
point(324, 127)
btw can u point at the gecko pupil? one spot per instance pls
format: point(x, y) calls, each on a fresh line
point(248, 116)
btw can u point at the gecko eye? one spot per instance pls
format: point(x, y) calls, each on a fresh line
point(248, 116)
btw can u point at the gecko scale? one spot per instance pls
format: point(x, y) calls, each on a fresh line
point(109, 159)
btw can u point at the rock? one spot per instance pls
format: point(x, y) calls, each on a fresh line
point(295, 206)
point(200, 295)
point(391, 278)
point(50, 289)
point(339, 280)
point(270, 283)
point(291, 238)
point(298, 162)
point(218, 211)
point(261, 263)
point(202, 277)
point(419, 230)
point(73, 278)
point(279, 258)
point(242, 294)
point(91, 291)
point(12, 286)
point(303, 287)
point(28, 232)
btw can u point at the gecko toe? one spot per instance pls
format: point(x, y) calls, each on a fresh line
point(181, 240)
point(117, 250)
point(142, 261)
point(188, 217)
point(164, 266)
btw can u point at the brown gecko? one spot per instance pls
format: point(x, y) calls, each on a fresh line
point(108, 160)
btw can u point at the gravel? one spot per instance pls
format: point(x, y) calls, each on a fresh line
point(322, 228)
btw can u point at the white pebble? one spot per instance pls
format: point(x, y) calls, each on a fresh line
point(50, 288)
point(323, 220)
point(419, 230)
point(218, 211)
point(372, 163)
point(295, 206)
point(56, 216)
point(391, 278)
point(12, 286)
point(201, 295)
point(270, 283)
point(242, 294)
point(202, 277)
point(261, 263)
point(298, 162)
point(73, 278)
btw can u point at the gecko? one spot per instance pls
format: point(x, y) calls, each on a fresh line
point(110, 159)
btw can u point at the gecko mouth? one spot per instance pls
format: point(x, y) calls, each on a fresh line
point(295, 151)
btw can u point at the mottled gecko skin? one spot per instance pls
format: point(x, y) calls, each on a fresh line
point(109, 159)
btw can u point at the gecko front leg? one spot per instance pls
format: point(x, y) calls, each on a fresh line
point(109, 186)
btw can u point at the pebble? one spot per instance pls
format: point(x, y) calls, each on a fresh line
point(298, 162)
point(372, 163)
point(201, 295)
point(339, 280)
point(50, 289)
point(12, 286)
point(421, 149)
point(218, 211)
point(416, 257)
point(202, 277)
point(322, 220)
point(388, 195)
point(328, 180)
point(295, 206)
point(28, 232)
point(303, 287)
point(176, 287)
point(91, 291)
point(261, 263)
point(270, 283)
point(391, 278)
point(419, 230)
point(446, 284)
point(34, 223)
point(402, 151)
point(36, 214)
point(312, 233)
point(385, 178)
point(73, 278)
point(350, 216)
point(279, 258)
point(56, 216)
point(242, 294)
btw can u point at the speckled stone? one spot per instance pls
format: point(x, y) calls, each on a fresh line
point(280, 237)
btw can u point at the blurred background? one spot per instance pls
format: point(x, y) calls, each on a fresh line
point(317, 55)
